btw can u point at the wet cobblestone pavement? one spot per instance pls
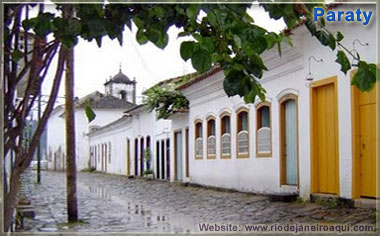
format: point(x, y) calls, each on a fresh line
point(110, 203)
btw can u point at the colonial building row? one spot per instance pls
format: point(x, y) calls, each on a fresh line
point(314, 133)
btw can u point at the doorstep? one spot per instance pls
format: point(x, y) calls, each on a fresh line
point(366, 203)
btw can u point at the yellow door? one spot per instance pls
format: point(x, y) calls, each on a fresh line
point(367, 143)
point(324, 138)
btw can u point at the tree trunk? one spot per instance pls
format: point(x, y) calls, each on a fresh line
point(71, 178)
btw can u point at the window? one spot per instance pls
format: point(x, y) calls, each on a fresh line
point(123, 95)
point(225, 136)
point(242, 134)
point(198, 140)
point(263, 130)
point(211, 141)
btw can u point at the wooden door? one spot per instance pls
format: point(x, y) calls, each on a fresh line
point(324, 138)
point(367, 143)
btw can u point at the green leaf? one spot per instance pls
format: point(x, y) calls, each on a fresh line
point(332, 43)
point(207, 44)
point(237, 40)
point(139, 23)
point(141, 37)
point(44, 24)
point(159, 11)
point(323, 37)
point(120, 38)
point(162, 41)
point(365, 77)
point(99, 41)
point(69, 41)
point(339, 36)
point(192, 11)
point(201, 60)
point(343, 61)
point(186, 50)
point(231, 83)
point(310, 25)
point(90, 114)
point(29, 24)
point(322, 21)
point(183, 34)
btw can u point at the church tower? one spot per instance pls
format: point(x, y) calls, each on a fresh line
point(122, 87)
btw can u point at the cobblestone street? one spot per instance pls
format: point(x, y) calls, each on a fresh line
point(110, 203)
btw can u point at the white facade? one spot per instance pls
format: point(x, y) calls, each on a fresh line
point(286, 75)
point(133, 134)
point(57, 139)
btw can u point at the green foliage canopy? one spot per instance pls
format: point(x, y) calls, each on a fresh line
point(223, 34)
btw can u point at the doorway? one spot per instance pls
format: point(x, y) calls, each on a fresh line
point(178, 155)
point(365, 138)
point(324, 137)
point(289, 140)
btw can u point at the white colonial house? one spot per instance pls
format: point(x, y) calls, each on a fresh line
point(107, 107)
point(314, 135)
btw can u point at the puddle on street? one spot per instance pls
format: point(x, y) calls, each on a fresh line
point(154, 220)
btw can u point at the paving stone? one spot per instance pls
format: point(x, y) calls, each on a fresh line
point(109, 203)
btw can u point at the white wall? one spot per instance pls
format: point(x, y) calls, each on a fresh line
point(286, 75)
point(142, 124)
point(56, 134)
point(103, 117)
point(56, 140)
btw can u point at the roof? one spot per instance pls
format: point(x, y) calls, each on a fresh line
point(135, 109)
point(120, 78)
point(213, 70)
point(102, 101)
point(124, 118)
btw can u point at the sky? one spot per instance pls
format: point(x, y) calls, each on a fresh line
point(147, 63)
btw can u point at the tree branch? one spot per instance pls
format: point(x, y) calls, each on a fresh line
point(23, 164)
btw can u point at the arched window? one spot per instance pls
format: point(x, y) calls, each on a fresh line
point(263, 130)
point(123, 95)
point(225, 127)
point(198, 140)
point(242, 134)
point(211, 139)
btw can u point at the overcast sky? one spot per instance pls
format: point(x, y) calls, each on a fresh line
point(147, 63)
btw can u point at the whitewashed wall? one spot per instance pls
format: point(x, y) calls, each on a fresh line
point(103, 117)
point(286, 75)
point(142, 123)
point(117, 136)
point(56, 134)
point(56, 140)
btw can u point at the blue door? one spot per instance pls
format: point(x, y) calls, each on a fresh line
point(291, 145)
point(178, 155)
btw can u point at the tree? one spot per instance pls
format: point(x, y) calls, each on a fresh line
point(71, 184)
point(223, 34)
